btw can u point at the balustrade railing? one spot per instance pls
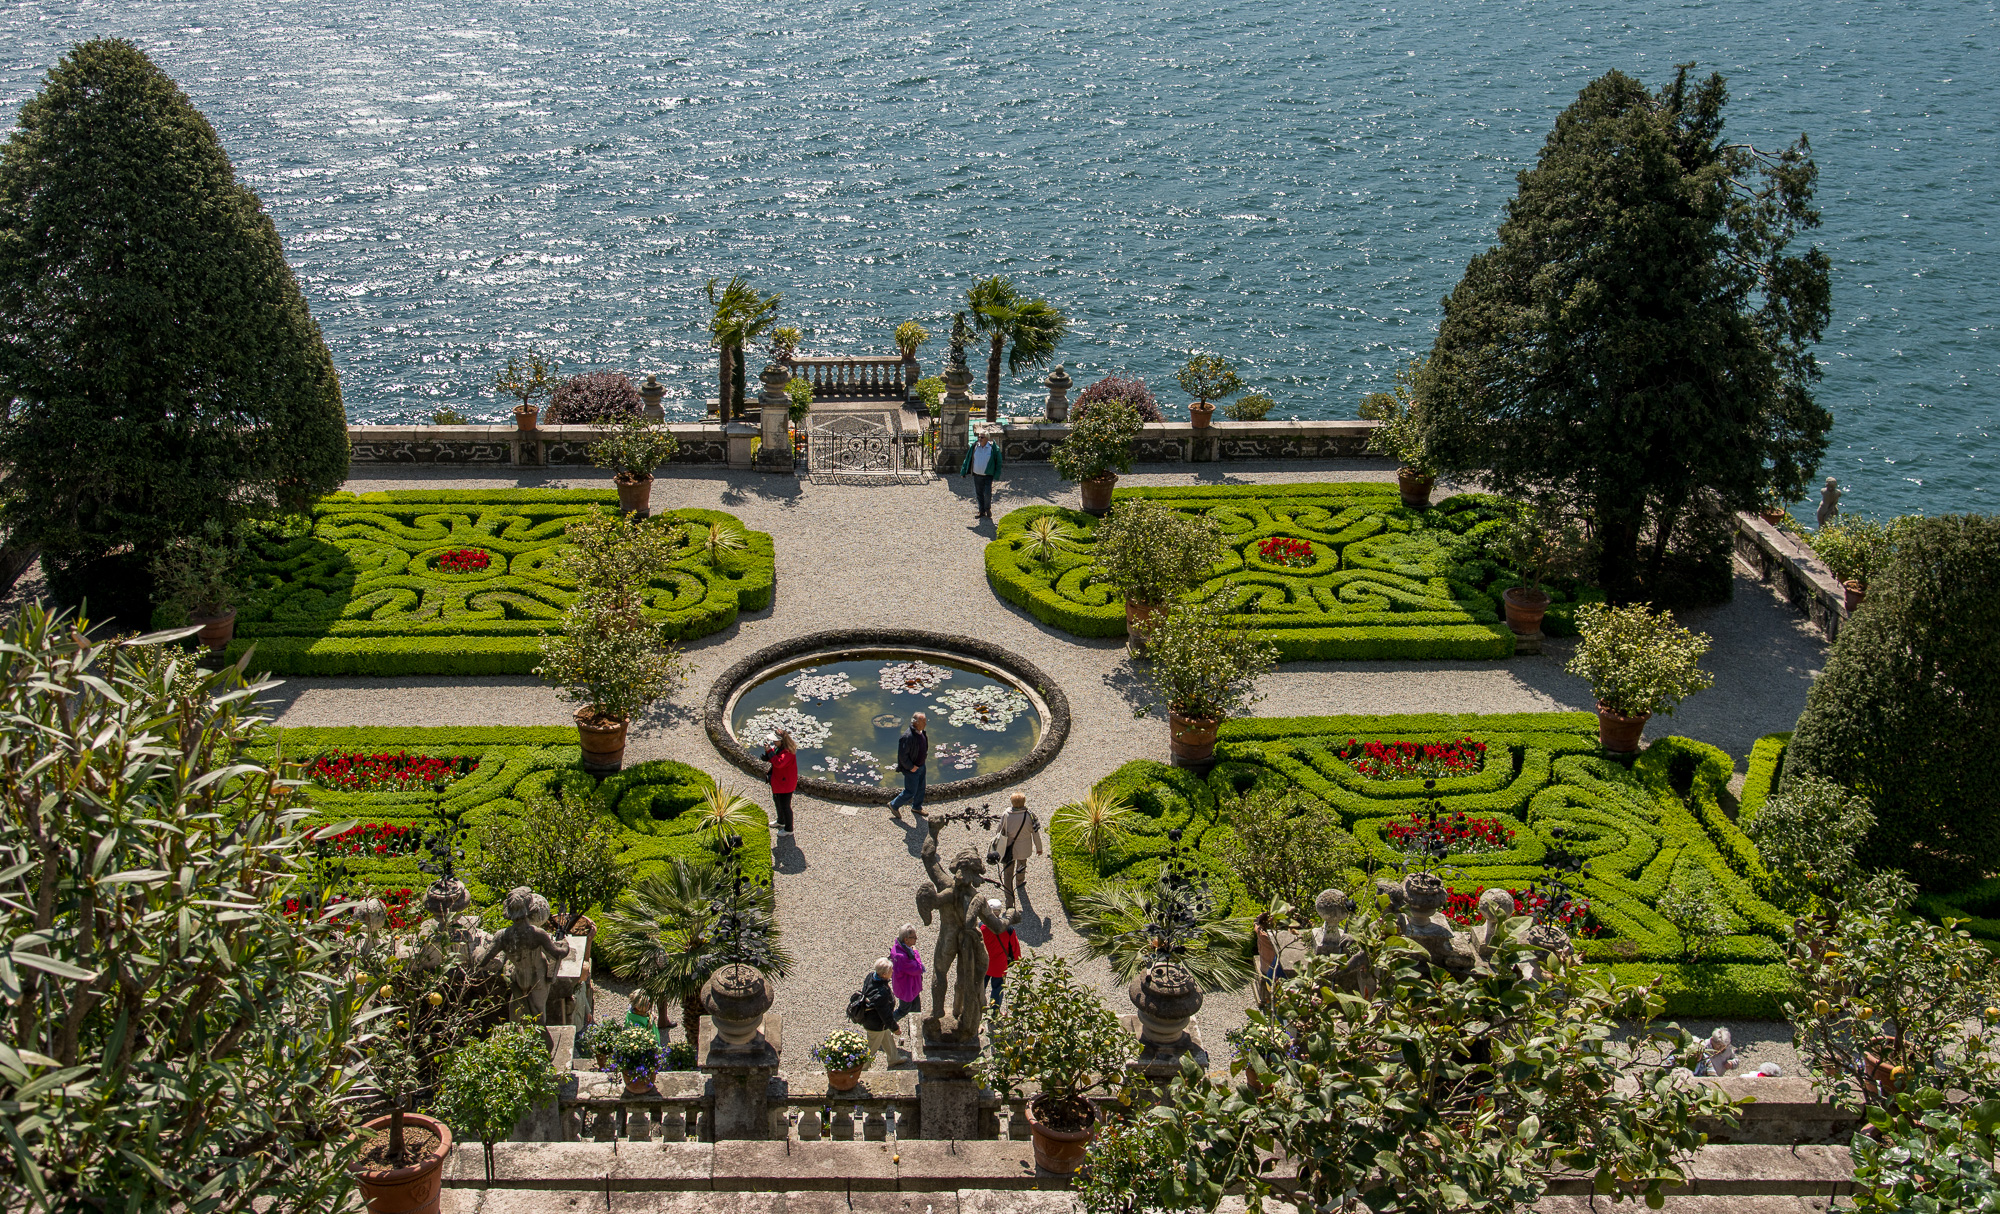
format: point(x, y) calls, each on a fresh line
point(865, 378)
point(679, 1110)
point(842, 1118)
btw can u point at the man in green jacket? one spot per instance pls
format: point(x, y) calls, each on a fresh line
point(982, 464)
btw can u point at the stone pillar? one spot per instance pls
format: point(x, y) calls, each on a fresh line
point(774, 408)
point(947, 1094)
point(1059, 384)
point(651, 394)
point(954, 418)
point(737, 437)
point(740, 1079)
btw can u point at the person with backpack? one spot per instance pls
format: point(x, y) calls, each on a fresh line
point(1018, 829)
point(1002, 950)
point(873, 1009)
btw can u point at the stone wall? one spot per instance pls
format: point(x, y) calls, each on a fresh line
point(1790, 566)
point(505, 446)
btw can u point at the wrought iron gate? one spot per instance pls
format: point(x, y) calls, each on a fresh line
point(865, 448)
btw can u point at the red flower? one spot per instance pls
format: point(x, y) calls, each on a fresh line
point(464, 560)
point(1403, 760)
point(1286, 551)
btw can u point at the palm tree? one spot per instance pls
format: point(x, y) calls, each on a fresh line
point(673, 929)
point(741, 317)
point(1097, 821)
point(1033, 325)
point(1117, 921)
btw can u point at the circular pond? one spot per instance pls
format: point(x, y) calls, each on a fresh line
point(847, 696)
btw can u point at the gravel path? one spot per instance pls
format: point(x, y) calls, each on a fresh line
point(908, 556)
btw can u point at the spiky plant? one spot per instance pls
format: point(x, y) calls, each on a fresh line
point(717, 541)
point(910, 337)
point(1120, 921)
point(1093, 823)
point(667, 933)
point(725, 811)
point(1048, 537)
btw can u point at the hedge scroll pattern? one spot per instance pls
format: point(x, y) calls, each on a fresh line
point(1640, 829)
point(651, 801)
point(362, 593)
point(1384, 581)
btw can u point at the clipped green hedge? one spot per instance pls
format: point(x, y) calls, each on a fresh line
point(649, 800)
point(359, 594)
point(1660, 820)
point(1767, 761)
point(1388, 582)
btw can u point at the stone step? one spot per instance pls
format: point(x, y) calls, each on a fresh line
point(966, 1201)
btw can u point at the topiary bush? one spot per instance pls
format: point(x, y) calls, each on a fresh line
point(1909, 697)
point(358, 588)
point(1642, 831)
point(1112, 387)
point(594, 398)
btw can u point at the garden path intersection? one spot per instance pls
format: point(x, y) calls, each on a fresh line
point(904, 557)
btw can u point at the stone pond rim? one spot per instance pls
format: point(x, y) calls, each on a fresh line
point(1055, 729)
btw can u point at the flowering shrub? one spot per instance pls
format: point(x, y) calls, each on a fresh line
point(842, 1050)
point(1461, 835)
point(397, 772)
point(634, 1050)
point(396, 900)
point(1286, 551)
point(464, 560)
point(599, 396)
point(369, 839)
point(1133, 392)
point(1463, 910)
point(1426, 760)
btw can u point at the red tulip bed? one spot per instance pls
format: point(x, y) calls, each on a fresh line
point(370, 839)
point(401, 919)
point(464, 560)
point(1286, 551)
point(1462, 835)
point(1463, 910)
point(396, 771)
point(1421, 760)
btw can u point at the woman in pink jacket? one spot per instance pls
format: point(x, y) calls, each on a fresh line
point(907, 982)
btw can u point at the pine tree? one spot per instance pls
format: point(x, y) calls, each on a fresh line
point(1639, 341)
point(163, 367)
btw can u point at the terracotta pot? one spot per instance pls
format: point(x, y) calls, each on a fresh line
point(1140, 618)
point(603, 741)
point(1097, 493)
point(1415, 487)
point(1202, 415)
point(1853, 593)
point(216, 630)
point(1773, 517)
point(411, 1190)
point(1059, 1151)
point(524, 416)
point(639, 1087)
point(1619, 734)
point(843, 1081)
point(1193, 739)
point(635, 493)
point(1525, 609)
point(1881, 1078)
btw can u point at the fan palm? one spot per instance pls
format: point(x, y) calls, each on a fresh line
point(1047, 538)
point(675, 927)
point(741, 317)
point(1034, 326)
point(1118, 922)
point(1093, 823)
point(717, 540)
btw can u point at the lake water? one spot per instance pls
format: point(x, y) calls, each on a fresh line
point(1292, 183)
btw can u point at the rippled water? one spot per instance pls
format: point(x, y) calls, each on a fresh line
point(1292, 183)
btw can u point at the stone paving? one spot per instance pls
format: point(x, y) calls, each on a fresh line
point(910, 556)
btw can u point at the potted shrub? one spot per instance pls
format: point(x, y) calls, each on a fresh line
point(1207, 378)
point(843, 1053)
point(1098, 448)
point(1153, 554)
point(910, 338)
point(634, 1051)
point(596, 398)
point(1399, 437)
point(1204, 668)
point(401, 1165)
point(526, 378)
point(1055, 1031)
point(492, 1084)
point(785, 344)
point(630, 453)
point(1536, 543)
point(1853, 550)
point(197, 576)
point(1638, 662)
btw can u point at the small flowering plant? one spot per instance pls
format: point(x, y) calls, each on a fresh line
point(842, 1050)
point(1461, 835)
point(1423, 760)
point(1286, 551)
point(634, 1050)
point(368, 839)
point(1463, 910)
point(399, 771)
point(464, 560)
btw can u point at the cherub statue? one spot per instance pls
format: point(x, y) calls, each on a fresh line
point(373, 915)
point(961, 908)
point(530, 952)
point(1829, 502)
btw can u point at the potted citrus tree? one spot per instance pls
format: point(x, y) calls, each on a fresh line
point(1204, 668)
point(1854, 549)
point(491, 1084)
point(197, 575)
point(526, 378)
point(1054, 1031)
point(843, 1053)
point(1399, 436)
point(1153, 554)
point(1537, 543)
point(1098, 448)
point(1208, 379)
point(1638, 662)
point(401, 1165)
point(630, 453)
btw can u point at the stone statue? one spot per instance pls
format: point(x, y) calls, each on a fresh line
point(373, 915)
point(1424, 895)
point(1330, 938)
point(1496, 906)
point(531, 954)
point(961, 337)
point(961, 907)
point(447, 937)
point(1829, 502)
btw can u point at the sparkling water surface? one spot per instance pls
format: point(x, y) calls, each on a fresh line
point(1293, 184)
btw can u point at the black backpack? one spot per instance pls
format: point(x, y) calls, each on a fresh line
point(857, 1008)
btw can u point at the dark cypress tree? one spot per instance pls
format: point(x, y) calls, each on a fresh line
point(1639, 341)
point(163, 367)
point(1905, 713)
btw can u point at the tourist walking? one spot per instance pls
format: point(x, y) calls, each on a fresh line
point(1270, 967)
point(1018, 829)
point(908, 980)
point(879, 1018)
point(782, 753)
point(913, 750)
point(982, 464)
point(1002, 950)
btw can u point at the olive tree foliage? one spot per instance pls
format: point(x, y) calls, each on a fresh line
point(163, 366)
point(1912, 683)
point(1640, 339)
point(172, 1040)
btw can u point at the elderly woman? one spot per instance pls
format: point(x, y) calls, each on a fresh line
point(907, 982)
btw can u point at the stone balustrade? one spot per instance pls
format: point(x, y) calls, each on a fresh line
point(1787, 562)
point(680, 1109)
point(868, 377)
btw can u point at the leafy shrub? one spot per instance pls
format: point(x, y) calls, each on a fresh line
point(1132, 392)
point(1098, 445)
point(594, 398)
point(1208, 378)
point(1203, 666)
point(448, 416)
point(1807, 836)
point(635, 448)
point(1286, 846)
point(1637, 661)
point(930, 390)
point(1688, 909)
point(1153, 553)
point(1054, 1030)
point(1855, 548)
point(799, 391)
point(563, 847)
point(492, 1084)
point(1251, 408)
point(1401, 415)
point(200, 575)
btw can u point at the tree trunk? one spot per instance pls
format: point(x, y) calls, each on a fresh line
point(742, 376)
point(725, 387)
point(1618, 561)
point(1669, 519)
point(691, 1013)
point(993, 379)
point(396, 1134)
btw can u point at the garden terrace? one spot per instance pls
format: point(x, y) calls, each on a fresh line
point(650, 800)
point(1660, 823)
point(1381, 580)
point(367, 588)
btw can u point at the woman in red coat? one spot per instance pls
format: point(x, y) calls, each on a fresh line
point(783, 756)
point(1002, 950)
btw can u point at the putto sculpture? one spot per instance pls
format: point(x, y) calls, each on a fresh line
point(956, 898)
point(530, 952)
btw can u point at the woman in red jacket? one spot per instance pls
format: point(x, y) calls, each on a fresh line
point(1002, 950)
point(783, 756)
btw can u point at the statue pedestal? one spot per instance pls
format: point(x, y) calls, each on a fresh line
point(947, 1094)
point(1163, 1062)
point(736, 437)
point(740, 1078)
point(572, 979)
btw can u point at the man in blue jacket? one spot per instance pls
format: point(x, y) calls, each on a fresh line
point(982, 464)
point(913, 751)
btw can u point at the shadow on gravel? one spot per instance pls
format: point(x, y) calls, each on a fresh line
point(787, 856)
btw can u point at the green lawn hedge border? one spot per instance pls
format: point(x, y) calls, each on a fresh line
point(1767, 759)
point(649, 800)
point(1392, 582)
point(356, 595)
point(1660, 819)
